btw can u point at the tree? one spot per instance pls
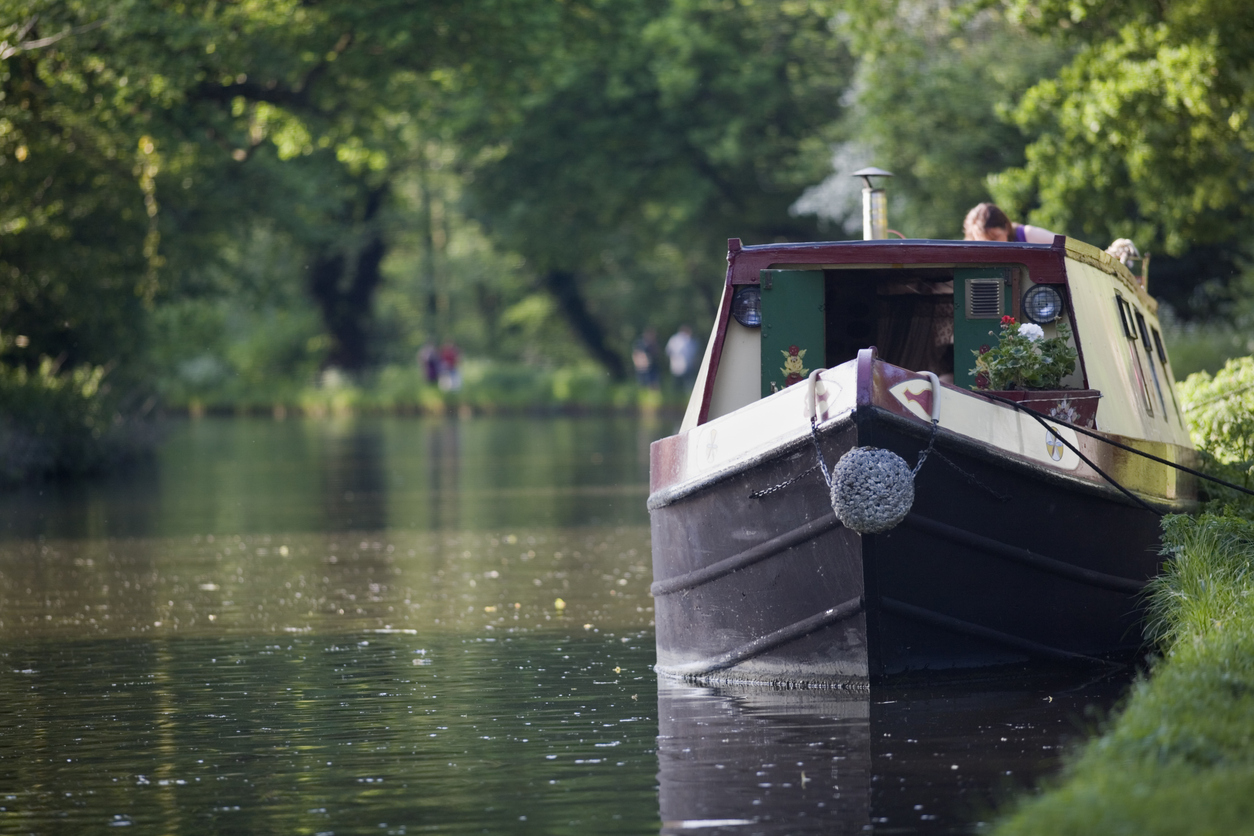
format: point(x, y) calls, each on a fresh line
point(638, 137)
point(931, 89)
point(1146, 133)
point(78, 236)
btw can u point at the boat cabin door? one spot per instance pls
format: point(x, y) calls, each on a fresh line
point(793, 333)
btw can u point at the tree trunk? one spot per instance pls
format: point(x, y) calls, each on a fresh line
point(345, 297)
point(565, 289)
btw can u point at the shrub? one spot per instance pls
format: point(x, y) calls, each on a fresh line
point(1220, 414)
point(54, 422)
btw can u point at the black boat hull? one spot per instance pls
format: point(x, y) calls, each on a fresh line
point(1000, 561)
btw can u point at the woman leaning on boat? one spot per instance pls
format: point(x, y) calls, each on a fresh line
point(987, 222)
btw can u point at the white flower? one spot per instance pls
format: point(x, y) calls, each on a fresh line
point(1031, 331)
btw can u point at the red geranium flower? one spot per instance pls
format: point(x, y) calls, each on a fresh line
point(1007, 320)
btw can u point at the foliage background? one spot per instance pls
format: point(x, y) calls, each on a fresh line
point(275, 205)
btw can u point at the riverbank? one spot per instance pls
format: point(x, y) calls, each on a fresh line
point(1179, 756)
point(67, 423)
point(58, 424)
point(485, 388)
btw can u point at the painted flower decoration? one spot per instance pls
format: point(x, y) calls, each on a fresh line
point(794, 369)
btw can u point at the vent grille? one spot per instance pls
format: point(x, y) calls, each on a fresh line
point(984, 298)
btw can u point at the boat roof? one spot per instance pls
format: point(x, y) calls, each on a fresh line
point(1045, 262)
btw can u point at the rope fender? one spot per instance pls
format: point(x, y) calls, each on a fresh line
point(871, 489)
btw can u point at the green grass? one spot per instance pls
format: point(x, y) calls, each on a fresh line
point(1179, 757)
point(487, 388)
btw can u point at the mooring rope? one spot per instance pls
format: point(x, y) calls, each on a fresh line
point(871, 486)
point(1113, 443)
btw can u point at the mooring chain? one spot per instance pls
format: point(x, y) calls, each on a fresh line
point(821, 464)
point(971, 478)
point(782, 485)
point(818, 451)
point(923, 454)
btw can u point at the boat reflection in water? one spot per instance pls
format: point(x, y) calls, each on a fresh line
point(931, 758)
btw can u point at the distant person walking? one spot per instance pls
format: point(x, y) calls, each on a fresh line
point(681, 350)
point(429, 359)
point(450, 377)
point(644, 354)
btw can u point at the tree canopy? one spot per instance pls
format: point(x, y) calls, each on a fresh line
point(267, 189)
point(1146, 132)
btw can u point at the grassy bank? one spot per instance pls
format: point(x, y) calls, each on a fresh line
point(56, 423)
point(486, 388)
point(1179, 756)
point(73, 423)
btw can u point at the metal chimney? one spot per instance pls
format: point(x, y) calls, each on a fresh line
point(874, 204)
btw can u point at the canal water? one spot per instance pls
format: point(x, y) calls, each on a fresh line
point(411, 626)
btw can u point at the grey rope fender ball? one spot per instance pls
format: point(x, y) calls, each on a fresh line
point(872, 489)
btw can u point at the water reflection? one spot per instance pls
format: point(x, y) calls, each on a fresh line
point(476, 583)
point(933, 757)
point(349, 733)
point(354, 626)
point(252, 475)
point(354, 481)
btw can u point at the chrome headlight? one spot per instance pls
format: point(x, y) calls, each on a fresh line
point(747, 305)
point(1042, 304)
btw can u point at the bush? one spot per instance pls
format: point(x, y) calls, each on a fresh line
point(1208, 581)
point(1220, 414)
point(1177, 758)
point(54, 423)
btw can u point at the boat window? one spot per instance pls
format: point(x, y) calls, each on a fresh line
point(1162, 358)
point(1125, 316)
point(1149, 357)
point(1158, 346)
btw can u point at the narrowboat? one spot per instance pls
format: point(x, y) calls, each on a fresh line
point(1034, 520)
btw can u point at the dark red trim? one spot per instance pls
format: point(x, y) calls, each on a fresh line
point(1075, 334)
point(1043, 261)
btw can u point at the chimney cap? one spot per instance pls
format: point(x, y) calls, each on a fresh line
point(871, 171)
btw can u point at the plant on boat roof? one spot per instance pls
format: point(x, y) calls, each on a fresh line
point(1024, 359)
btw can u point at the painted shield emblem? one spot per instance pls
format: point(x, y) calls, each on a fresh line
point(1054, 445)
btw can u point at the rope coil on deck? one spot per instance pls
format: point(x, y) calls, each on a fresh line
point(872, 489)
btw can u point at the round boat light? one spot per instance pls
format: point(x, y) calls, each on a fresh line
point(1042, 304)
point(747, 305)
